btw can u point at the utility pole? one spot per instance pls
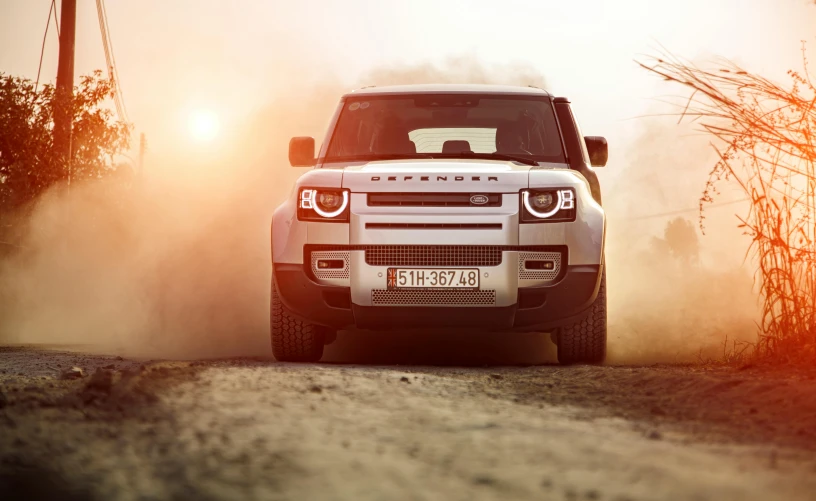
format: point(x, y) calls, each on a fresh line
point(63, 106)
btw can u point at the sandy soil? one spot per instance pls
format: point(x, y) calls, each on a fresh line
point(257, 429)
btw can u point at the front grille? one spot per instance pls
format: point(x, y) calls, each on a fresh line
point(433, 226)
point(527, 274)
point(432, 199)
point(433, 297)
point(434, 255)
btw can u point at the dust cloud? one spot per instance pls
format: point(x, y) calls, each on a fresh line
point(176, 264)
point(676, 294)
point(458, 70)
point(153, 272)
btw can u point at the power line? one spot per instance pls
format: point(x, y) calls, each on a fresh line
point(113, 58)
point(103, 29)
point(685, 211)
point(107, 43)
point(56, 21)
point(51, 10)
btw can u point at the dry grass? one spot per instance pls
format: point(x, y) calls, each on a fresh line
point(764, 135)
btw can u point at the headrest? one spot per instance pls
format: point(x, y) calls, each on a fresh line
point(456, 147)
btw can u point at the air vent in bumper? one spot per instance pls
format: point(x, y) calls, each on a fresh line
point(433, 297)
point(435, 255)
point(334, 275)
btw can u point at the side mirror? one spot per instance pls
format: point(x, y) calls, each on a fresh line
point(302, 151)
point(598, 150)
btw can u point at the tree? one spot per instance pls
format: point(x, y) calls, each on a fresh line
point(681, 238)
point(28, 165)
point(679, 242)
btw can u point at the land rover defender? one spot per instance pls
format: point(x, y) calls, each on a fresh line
point(454, 206)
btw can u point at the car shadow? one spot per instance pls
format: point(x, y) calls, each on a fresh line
point(444, 348)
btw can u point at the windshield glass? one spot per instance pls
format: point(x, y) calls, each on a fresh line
point(446, 126)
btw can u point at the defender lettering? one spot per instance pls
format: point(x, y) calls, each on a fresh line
point(438, 178)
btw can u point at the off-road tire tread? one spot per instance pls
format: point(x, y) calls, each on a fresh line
point(292, 339)
point(584, 342)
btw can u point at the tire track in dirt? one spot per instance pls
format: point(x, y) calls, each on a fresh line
point(255, 429)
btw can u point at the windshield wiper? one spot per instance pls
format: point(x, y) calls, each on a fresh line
point(516, 158)
point(490, 156)
point(379, 156)
point(411, 156)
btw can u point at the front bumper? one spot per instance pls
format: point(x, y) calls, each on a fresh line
point(535, 309)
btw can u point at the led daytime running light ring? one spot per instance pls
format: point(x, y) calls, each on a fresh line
point(542, 215)
point(311, 196)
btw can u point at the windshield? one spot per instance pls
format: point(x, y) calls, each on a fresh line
point(446, 126)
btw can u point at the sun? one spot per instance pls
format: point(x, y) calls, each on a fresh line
point(203, 125)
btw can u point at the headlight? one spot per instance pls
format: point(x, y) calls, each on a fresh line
point(543, 202)
point(548, 205)
point(323, 204)
point(330, 201)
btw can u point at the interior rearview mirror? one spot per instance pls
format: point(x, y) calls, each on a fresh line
point(598, 150)
point(302, 151)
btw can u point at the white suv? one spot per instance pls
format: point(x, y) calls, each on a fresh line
point(459, 206)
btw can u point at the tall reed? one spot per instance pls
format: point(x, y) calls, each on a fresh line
point(764, 134)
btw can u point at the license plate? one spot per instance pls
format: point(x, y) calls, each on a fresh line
point(433, 278)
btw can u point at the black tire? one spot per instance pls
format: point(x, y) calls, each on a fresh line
point(292, 339)
point(584, 341)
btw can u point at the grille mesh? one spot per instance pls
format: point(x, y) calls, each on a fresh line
point(526, 274)
point(434, 255)
point(335, 273)
point(433, 297)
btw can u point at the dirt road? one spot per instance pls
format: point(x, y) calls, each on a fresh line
point(256, 429)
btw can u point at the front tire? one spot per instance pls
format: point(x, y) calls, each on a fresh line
point(584, 341)
point(292, 339)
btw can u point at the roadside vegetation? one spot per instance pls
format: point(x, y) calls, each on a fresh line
point(28, 164)
point(763, 132)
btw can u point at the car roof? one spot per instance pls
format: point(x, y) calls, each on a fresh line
point(448, 89)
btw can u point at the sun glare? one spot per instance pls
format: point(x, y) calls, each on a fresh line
point(203, 125)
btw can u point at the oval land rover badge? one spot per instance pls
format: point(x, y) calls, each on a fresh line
point(478, 199)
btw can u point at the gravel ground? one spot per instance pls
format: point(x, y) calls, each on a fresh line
point(257, 429)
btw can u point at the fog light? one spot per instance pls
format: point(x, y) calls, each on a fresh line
point(539, 265)
point(330, 264)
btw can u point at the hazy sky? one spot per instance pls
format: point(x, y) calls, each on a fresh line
point(243, 59)
point(233, 56)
